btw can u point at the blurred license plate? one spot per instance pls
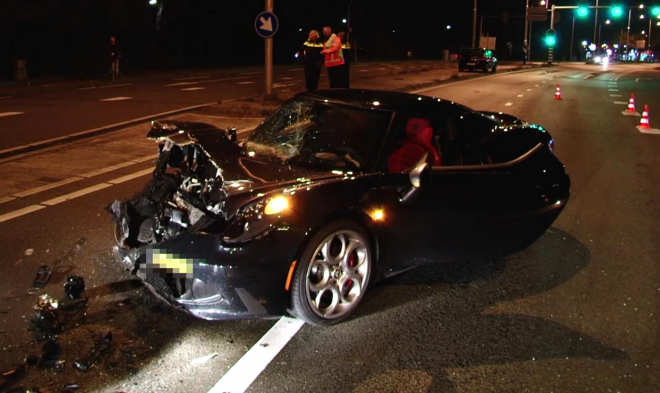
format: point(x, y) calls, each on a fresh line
point(471, 63)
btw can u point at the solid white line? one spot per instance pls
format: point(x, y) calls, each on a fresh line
point(529, 89)
point(193, 88)
point(468, 80)
point(193, 77)
point(295, 69)
point(208, 81)
point(649, 131)
point(536, 85)
point(3, 114)
point(116, 99)
point(6, 199)
point(87, 88)
point(76, 194)
point(508, 104)
point(20, 212)
point(239, 378)
point(520, 95)
point(46, 187)
point(251, 73)
point(131, 176)
point(147, 158)
point(123, 84)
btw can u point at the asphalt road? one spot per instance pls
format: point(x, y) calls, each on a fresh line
point(577, 311)
point(41, 116)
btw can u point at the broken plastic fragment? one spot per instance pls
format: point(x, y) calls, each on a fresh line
point(100, 348)
point(46, 319)
point(41, 279)
point(204, 359)
point(29, 252)
point(74, 286)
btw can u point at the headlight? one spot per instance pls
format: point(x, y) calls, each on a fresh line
point(606, 60)
point(256, 219)
point(597, 59)
point(276, 205)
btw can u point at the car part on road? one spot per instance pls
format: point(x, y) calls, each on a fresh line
point(41, 279)
point(46, 319)
point(74, 286)
point(100, 348)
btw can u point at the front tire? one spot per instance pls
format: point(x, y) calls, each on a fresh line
point(333, 274)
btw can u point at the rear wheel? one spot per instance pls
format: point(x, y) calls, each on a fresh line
point(494, 69)
point(332, 275)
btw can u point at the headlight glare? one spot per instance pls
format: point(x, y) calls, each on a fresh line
point(276, 205)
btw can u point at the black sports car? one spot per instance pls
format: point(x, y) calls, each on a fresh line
point(334, 191)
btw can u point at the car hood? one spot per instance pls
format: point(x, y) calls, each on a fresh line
point(238, 172)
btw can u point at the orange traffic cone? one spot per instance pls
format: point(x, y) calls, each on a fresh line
point(558, 93)
point(644, 122)
point(631, 104)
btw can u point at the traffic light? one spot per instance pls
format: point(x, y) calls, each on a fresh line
point(550, 38)
point(616, 11)
point(655, 11)
point(582, 10)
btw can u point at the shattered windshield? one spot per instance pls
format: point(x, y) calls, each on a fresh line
point(313, 133)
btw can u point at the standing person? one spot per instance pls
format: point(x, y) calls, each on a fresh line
point(115, 55)
point(334, 58)
point(345, 47)
point(313, 60)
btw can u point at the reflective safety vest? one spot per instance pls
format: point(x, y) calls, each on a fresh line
point(346, 46)
point(334, 55)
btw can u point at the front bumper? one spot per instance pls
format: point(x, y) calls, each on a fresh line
point(200, 275)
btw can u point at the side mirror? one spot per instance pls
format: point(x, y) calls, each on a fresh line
point(231, 133)
point(416, 180)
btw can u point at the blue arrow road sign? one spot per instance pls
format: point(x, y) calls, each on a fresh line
point(266, 24)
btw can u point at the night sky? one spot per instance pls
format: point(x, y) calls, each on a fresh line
point(70, 37)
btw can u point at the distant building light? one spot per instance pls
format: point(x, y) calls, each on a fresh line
point(344, 20)
point(448, 27)
point(153, 2)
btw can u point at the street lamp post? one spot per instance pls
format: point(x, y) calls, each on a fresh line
point(628, 34)
point(595, 20)
point(570, 53)
point(525, 42)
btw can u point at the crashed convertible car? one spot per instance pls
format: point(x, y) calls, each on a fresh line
point(334, 191)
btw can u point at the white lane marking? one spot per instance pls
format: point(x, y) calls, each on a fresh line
point(587, 76)
point(439, 87)
point(284, 84)
point(76, 194)
point(3, 114)
point(208, 81)
point(612, 89)
point(118, 166)
point(536, 85)
point(620, 103)
point(520, 95)
point(251, 73)
point(117, 99)
point(46, 187)
point(193, 88)
point(626, 113)
point(6, 199)
point(193, 77)
point(245, 83)
point(615, 95)
point(87, 88)
point(131, 176)
point(295, 69)
point(529, 89)
point(381, 69)
point(120, 85)
point(286, 78)
point(20, 212)
point(508, 104)
point(239, 378)
point(364, 70)
point(642, 79)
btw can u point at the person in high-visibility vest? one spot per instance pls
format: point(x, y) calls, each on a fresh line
point(313, 60)
point(334, 58)
point(345, 48)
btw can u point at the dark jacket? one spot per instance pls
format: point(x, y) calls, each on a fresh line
point(311, 51)
point(115, 52)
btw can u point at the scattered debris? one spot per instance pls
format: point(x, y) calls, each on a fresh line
point(264, 345)
point(204, 359)
point(46, 320)
point(50, 355)
point(12, 376)
point(73, 386)
point(29, 252)
point(41, 279)
point(100, 348)
point(74, 286)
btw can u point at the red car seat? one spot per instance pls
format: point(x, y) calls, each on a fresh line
point(419, 135)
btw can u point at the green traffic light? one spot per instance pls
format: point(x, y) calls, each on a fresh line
point(582, 11)
point(550, 41)
point(616, 11)
point(655, 11)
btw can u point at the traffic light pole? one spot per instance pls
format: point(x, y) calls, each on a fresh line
point(526, 43)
